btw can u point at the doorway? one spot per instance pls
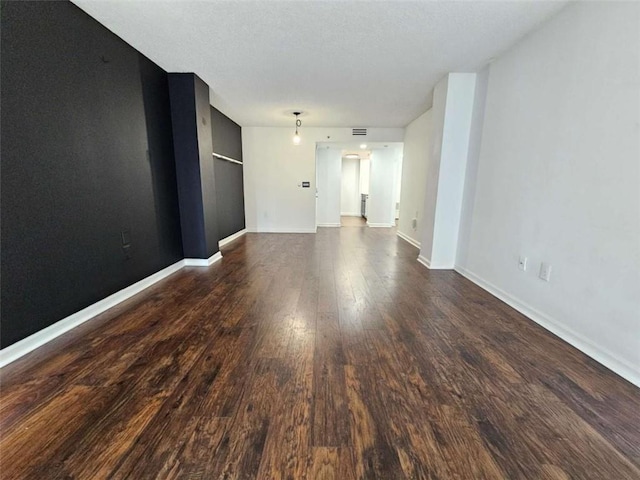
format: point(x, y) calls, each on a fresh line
point(358, 185)
point(354, 188)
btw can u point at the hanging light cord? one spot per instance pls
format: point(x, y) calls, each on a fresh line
point(296, 137)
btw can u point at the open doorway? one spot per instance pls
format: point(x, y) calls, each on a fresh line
point(354, 188)
point(358, 185)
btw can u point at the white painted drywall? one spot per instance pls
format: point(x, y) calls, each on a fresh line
point(451, 172)
point(274, 168)
point(365, 177)
point(557, 179)
point(350, 187)
point(473, 156)
point(328, 173)
point(397, 188)
point(452, 113)
point(433, 168)
point(414, 176)
point(273, 172)
point(381, 203)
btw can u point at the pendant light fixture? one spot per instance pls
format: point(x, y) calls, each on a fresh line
point(296, 136)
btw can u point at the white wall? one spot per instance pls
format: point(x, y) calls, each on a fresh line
point(397, 188)
point(473, 155)
point(414, 176)
point(365, 177)
point(350, 187)
point(433, 168)
point(451, 124)
point(274, 168)
point(451, 171)
point(381, 202)
point(328, 173)
point(273, 172)
point(556, 177)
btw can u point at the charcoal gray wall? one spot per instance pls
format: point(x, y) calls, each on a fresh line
point(191, 116)
point(87, 154)
point(227, 141)
point(226, 134)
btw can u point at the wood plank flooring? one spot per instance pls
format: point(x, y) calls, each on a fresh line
point(328, 356)
point(346, 221)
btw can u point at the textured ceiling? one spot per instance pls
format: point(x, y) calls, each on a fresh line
point(345, 63)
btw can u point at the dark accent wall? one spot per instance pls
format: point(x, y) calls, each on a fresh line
point(227, 141)
point(226, 134)
point(89, 200)
point(194, 164)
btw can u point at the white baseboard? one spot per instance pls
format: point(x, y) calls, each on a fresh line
point(203, 262)
point(408, 239)
point(379, 225)
point(352, 214)
point(281, 230)
point(328, 225)
point(424, 261)
point(433, 266)
point(231, 238)
point(599, 354)
point(26, 345)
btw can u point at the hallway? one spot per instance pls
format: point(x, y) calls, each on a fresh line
point(352, 221)
point(333, 355)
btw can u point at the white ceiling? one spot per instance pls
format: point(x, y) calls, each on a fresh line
point(345, 63)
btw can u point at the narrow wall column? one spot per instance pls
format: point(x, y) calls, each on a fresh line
point(452, 112)
point(191, 119)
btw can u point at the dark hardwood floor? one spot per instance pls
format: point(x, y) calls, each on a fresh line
point(323, 356)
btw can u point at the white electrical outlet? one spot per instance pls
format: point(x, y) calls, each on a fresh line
point(545, 272)
point(522, 263)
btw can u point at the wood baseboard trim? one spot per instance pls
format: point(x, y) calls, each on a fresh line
point(26, 345)
point(231, 238)
point(586, 346)
point(408, 239)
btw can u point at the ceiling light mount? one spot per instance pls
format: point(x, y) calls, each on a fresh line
point(296, 136)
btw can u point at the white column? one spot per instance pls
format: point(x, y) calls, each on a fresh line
point(452, 112)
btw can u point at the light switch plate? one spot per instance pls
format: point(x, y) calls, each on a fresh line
point(545, 272)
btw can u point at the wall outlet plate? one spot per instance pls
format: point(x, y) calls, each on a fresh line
point(545, 272)
point(522, 263)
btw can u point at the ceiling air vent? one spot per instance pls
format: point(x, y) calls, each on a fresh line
point(359, 132)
